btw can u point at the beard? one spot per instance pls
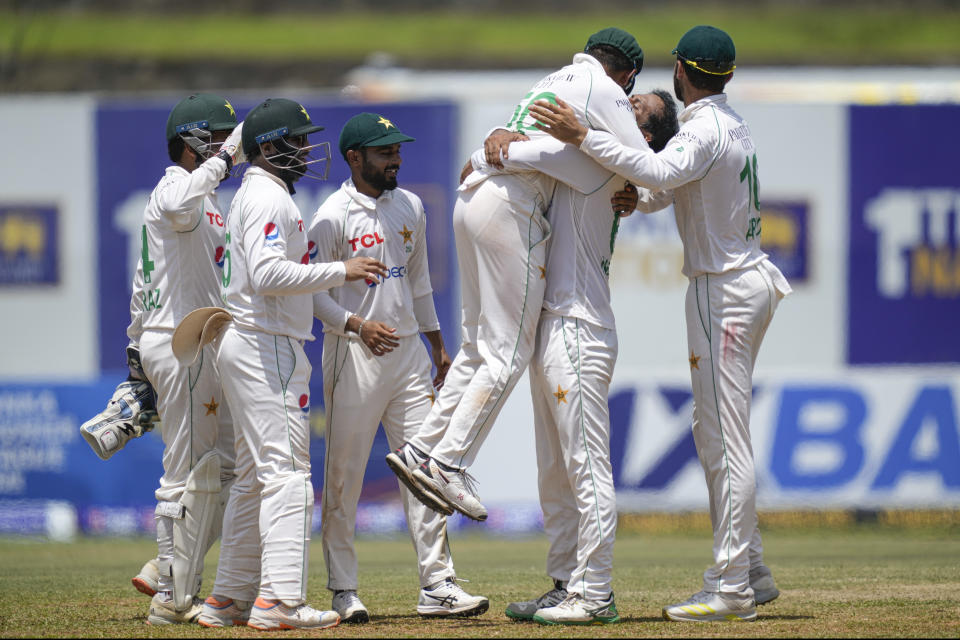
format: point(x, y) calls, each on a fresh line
point(378, 179)
point(677, 88)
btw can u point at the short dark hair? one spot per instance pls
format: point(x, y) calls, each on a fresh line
point(175, 147)
point(611, 57)
point(704, 81)
point(662, 124)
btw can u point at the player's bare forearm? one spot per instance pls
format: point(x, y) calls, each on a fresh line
point(441, 359)
point(559, 120)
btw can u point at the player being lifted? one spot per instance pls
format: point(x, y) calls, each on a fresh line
point(501, 239)
point(572, 366)
point(268, 289)
point(375, 366)
point(711, 169)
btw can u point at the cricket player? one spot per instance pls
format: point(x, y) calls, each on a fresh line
point(375, 366)
point(572, 367)
point(711, 168)
point(182, 230)
point(501, 237)
point(268, 286)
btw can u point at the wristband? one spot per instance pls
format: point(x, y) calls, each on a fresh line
point(360, 328)
point(226, 157)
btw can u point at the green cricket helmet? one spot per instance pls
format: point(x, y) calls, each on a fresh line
point(196, 117)
point(283, 122)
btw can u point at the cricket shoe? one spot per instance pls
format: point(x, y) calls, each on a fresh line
point(402, 462)
point(525, 610)
point(273, 616)
point(348, 605)
point(764, 588)
point(455, 486)
point(576, 610)
point(224, 612)
point(148, 580)
point(163, 612)
point(446, 598)
point(707, 606)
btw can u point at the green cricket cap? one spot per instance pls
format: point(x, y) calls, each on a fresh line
point(619, 40)
point(369, 130)
point(201, 111)
point(275, 118)
point(707, 49)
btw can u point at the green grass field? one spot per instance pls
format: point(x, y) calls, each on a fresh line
point(846, 581)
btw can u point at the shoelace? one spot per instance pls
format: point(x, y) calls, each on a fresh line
point(469, 482)
point(550, 596)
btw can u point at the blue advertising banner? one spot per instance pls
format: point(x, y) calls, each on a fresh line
point(904, 263)
point(28, 245)
point(132, 157)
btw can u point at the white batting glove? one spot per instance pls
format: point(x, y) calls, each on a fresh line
point(233, 146)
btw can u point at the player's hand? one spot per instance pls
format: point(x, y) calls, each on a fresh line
point(467, 170)
point(499, 142)
point(378, 337)
point(233, 145)
point(625, 202)
point(441, 360)
point(558, 120)
point(364, 268)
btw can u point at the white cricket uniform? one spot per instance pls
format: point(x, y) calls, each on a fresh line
point(501, 237)
point(268, 288)
point(182, 230)
point(711, 166)
point(570, 373)
point(362, 390)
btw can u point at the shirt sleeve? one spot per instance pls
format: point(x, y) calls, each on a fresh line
point(652, 201)
point(323, 232)
point(418, 268)
point(180, 198)
point(609, 110)
point(687, 157)
point(556, 159)
point(270, 271)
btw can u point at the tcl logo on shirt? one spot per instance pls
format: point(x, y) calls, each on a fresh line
point(366, 241)
point(215, 218)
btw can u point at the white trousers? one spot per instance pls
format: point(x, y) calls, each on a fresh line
point(266, 526)
point(727, 317)
point(194, 420)
point(570, 382)
point(502, 257)
point(360, 391)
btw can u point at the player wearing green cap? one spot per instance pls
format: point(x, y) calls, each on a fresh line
point(711, 168)
point(375, 367)
point(268, 284)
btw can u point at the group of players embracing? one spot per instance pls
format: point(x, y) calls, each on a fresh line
point(222, 304)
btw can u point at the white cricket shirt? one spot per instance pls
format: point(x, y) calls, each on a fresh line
point(267, 276)
point(182, 235)
point(599, 103)
point(391, 229)
point(711, 166)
